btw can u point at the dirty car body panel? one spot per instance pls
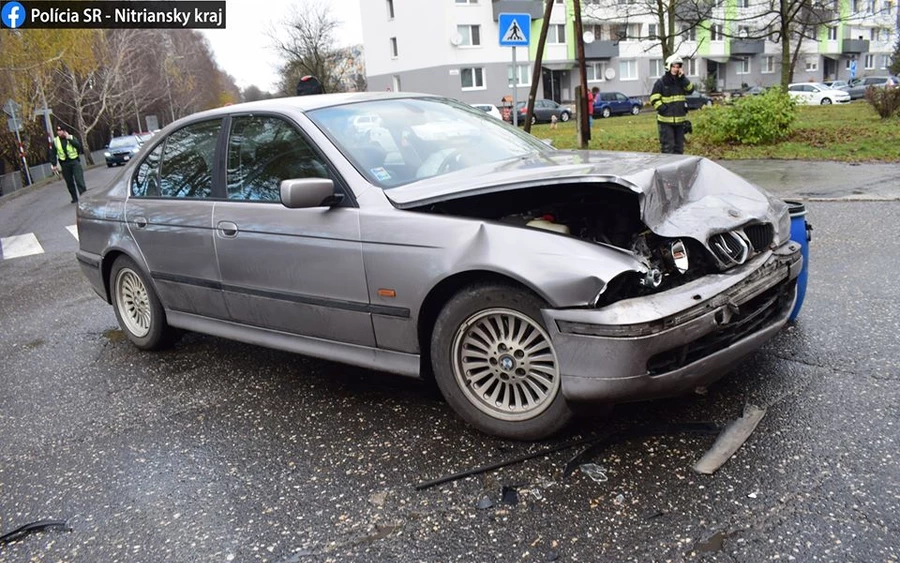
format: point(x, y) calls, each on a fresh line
point(653, 274)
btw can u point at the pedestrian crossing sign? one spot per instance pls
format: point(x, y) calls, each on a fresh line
point(515, 29)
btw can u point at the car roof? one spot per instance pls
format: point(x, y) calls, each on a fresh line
point(308, 103)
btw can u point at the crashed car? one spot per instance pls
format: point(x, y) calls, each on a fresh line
point(440, 243)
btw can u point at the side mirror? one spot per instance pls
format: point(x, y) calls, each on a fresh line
point(304, 193)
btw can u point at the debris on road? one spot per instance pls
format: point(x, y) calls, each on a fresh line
point(595, 472)
point(33, 527)
point(730, 440)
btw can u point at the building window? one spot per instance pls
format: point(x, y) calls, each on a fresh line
point(812, 65)
point(556, 34)
point(716, 33)
point(832, 33)
point(870, 62)
point(394, 52)
point(523, 77)
point(873, 34)
point(768, 65)
point(690, 67)
point(628, 70)
point(743, 65)
point(472, 78)
point(653, 31)
point(656, 67)
point(390, 9)
point(854, 5)
point(471, 35)
point(743, 3)
point(688, 32)
point(885, 61)
point(870, 6)
point(743, 31)
point(596, 72)
point(847, 63)
point(396, 80)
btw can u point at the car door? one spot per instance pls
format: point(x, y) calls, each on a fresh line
point(622, 104)
point(169, 215)
point(299, 271)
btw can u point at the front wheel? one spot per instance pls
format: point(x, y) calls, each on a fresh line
point(138, 310)
point(826, 101)
point(564, 116)
point(496, 365)
point(635, 110)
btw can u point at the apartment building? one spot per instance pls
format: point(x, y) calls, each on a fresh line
point(451, 47)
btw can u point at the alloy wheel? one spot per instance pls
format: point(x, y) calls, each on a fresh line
point(133, 302)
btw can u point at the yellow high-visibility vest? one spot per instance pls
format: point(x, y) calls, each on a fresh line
point(71, 153)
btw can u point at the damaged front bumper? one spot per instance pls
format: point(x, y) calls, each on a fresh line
point(672, 342)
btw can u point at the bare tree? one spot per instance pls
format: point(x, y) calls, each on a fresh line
point(306, 45)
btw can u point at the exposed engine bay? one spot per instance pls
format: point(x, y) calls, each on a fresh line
point(605, 214)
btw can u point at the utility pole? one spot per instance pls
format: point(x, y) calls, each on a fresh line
point(536, 71)
point(584, 122)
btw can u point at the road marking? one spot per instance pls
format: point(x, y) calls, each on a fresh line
point(20, 245)
point(74, 230)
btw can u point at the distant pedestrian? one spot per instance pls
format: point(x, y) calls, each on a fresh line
point(668, 98)
point(65, 155)
point(553, 120)
point(592, 99)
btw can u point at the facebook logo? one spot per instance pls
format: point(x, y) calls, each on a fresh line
point(12, 14)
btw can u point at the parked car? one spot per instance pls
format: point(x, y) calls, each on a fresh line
point(543, 111)
point(489, 109)
point(816, 93)
point(749, 91)
point(857, 87)
point(615, 103)
point(836, 84)
point(122, 149)
point(696, 100)
point(522, 278)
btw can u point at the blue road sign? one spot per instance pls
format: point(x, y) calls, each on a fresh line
point(515, 29)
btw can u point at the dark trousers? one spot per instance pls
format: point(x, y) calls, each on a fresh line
point(73, 174)
point(671, 137)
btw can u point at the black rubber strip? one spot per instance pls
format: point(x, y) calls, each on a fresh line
point(33, 527)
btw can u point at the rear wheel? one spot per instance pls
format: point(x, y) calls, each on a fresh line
point(826, 101)
point(564, 116)
point(605, 112)
point(138, 310)
point(495, 364)
point(635, 110)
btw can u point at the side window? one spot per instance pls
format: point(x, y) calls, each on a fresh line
point(187, 161)
point(263, 151)
point(621, 98)
point(145, 182)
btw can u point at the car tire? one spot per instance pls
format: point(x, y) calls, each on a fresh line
point(533, 119)
point(516, 389)
point(708, 103)
point(109, 165)
point(826, 101)
point(635, 110)
point(564, 116)
point(138, 310)
point(605, 112)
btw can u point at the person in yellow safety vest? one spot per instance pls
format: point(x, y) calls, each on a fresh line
point(64, 155)
point(668, 98)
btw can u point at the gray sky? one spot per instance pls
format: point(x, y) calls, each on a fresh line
point(243, 49)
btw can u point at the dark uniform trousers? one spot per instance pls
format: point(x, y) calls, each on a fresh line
point(671, 137)
point(73, 174)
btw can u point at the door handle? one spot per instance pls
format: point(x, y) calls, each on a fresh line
point(227, 229)
point(140, 222)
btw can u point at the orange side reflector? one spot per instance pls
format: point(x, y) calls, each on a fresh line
point(387, 292)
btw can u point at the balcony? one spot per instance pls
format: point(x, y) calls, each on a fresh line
point(535, 8)
point(601, 49)
point(744, 47)
point(855, 46)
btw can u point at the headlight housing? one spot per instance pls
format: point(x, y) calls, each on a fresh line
point(107, 155)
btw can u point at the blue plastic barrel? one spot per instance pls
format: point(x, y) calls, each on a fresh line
point(800, 233)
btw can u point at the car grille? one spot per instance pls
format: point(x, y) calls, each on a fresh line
point(735, 247)
point(752, 317)
point(760, 236)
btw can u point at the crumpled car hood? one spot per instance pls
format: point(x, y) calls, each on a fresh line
point(679, 195)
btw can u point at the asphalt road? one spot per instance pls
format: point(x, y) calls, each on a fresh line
point(216, 451)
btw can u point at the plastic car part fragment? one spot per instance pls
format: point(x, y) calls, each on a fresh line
point(38, 526)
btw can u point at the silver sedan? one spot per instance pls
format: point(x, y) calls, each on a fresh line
point(416, 235)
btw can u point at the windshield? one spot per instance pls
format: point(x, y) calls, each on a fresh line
point(120, 142)
point(396, 141)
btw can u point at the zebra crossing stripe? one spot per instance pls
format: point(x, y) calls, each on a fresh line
point(74, 230)
point(20, 245)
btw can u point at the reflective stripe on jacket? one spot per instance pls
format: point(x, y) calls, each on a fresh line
point(71, 152)
point(668, 98)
